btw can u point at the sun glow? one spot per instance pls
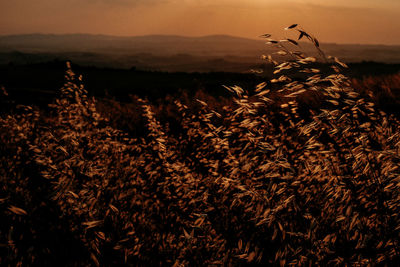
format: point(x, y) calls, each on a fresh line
point(338, 21)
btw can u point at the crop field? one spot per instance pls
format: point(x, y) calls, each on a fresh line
point(293, 172)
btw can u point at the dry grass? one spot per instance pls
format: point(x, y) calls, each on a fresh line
point(256, 182)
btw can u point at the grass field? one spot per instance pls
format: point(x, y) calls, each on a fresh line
point(291, 172)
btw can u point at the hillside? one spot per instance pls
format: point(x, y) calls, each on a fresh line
point(301, 173)
point(167, 53)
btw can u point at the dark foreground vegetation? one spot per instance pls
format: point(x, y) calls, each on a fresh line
point(291, 172)
point(39, 83)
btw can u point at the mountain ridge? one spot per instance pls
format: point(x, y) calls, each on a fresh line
point(170, 36)
point(171, 52)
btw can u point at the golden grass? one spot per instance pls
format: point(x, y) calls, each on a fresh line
point(256, 182)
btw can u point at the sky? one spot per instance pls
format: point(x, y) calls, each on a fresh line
point(333, 21)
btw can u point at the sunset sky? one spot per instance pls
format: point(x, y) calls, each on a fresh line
point(340, 21)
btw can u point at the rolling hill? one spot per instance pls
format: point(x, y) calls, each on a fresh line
point(166, 52)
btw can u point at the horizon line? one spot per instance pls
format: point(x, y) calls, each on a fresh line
point(256, 38)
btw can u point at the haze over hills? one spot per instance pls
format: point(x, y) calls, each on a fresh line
point(167, 52)
point(156, 44)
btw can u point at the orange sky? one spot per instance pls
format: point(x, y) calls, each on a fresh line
point(340, 21)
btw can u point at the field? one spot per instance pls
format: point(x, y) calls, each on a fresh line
point(293, 171)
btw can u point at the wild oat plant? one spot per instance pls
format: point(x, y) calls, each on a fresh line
point(263, 181)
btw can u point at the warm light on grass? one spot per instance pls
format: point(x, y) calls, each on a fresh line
point(264, 180)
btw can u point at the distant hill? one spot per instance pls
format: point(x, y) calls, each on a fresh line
point(167, 52)
point(155, 44)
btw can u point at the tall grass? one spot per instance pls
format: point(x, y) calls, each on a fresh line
point(264, 180)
